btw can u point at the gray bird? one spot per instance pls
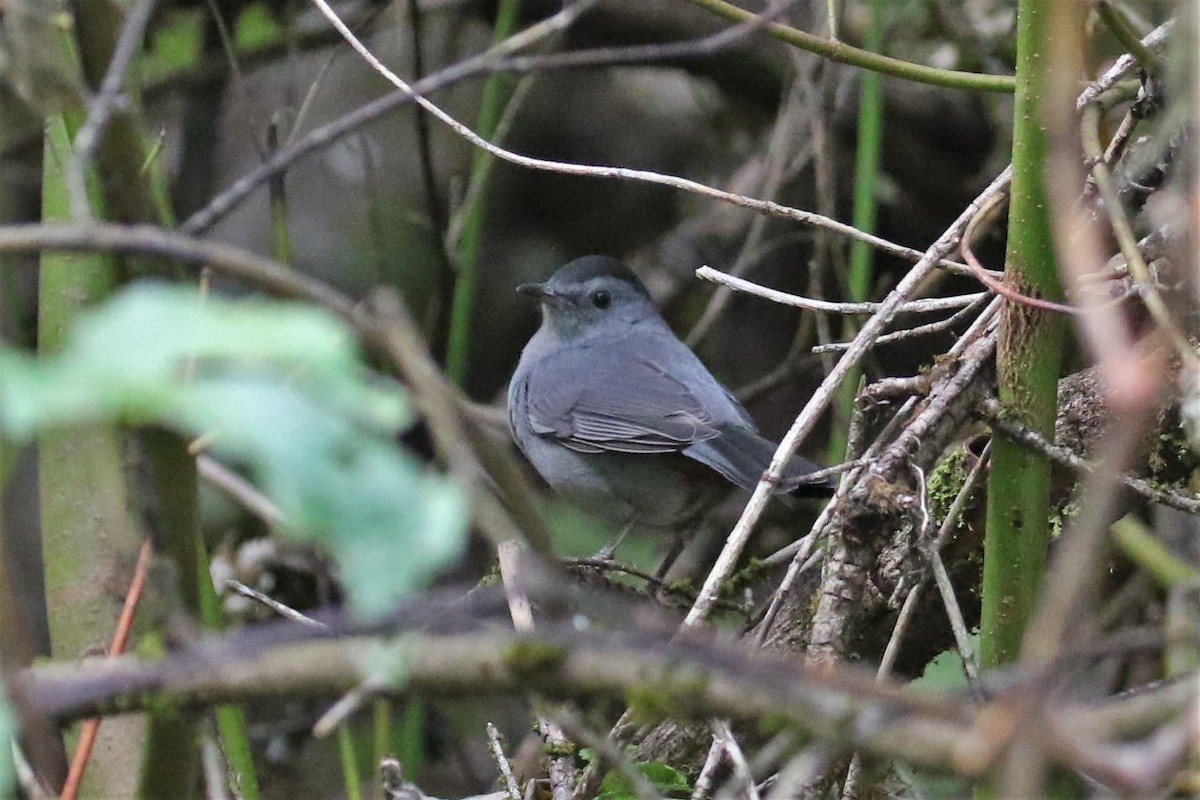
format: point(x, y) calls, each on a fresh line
point(620, 417)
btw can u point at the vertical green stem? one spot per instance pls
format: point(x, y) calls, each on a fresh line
point(231, 720)
point(412, 738)
point(381, 729)
point(84, 506)
point(350, 773)
point(495, 92)
point(1029, 358)
point(866, 172)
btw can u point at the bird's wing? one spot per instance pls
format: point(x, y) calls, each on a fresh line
point(593, 402)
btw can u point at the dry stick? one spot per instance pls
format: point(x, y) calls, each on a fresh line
point(101, 107)
point(1122, 229)
point(800, 772)
point(741, 769)
point(1001, 288)
point(919, 330)
point(285, 611)
point(798, 551)
point(213, 768)
point(1122, 66)
point(801, 560)
point(353, 699)
point(91, 727)
point(822, 398)
point(561, 769)
point(969, 355)
point(229, 260)
point(721, 680)
point(892, 650)
point(26, 778)
point(241, 490)
point(497, 750)
point(784, 298)
point(646, 176)
point(958, 626)
point(993, 412)
point(711, 761)
point(609, 753)
point(233, 195)
point(778, 153)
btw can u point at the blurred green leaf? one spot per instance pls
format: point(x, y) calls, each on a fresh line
point(667, 781)
point(945, 672)
point(176, 44)
point(8, 735)
point(256, 27)
point(276, 386)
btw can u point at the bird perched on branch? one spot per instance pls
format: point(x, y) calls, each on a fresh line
point(620, 417)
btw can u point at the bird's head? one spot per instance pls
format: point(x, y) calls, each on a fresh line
point(592, 296)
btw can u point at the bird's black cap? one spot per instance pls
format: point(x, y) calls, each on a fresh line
point(586, 268)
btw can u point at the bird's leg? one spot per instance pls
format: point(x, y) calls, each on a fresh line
point(606, 552)
point(677, 543)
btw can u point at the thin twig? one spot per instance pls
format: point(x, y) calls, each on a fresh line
point(784, 298)
point(101, 107)
point(1122, 66)
point(993, 412)
point(26, 777)
point(999, 286)
point(920, 330)
point(216, 781)
point(962, 637)
point(823, 396)
point(645, 176)
point(497, 750)
point(1127, 240)
point(779, 152)
point(609, 753)
point(234, 194)
point(241, 490)
point(562, 771)
point(741, 769)
point(285, 611)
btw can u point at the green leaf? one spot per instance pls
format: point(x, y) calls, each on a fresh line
point(8, 735)
point(667, 781)
point(276, 386)
point(256, 27)
point(945, 672)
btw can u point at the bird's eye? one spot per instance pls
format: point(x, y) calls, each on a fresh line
point(601, 298)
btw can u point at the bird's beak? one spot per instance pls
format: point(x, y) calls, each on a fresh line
point(535, 290)
point(541, 292)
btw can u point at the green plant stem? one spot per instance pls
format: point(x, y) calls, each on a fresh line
point(412, 738)
point(491, 109)
point(1120, 26)
point(866, 174)
point(1145, 550)
point(84, 507)
point(231, 719)
point(1028, 362)
point(846, 54)
point(350, 771)
point(381, 729)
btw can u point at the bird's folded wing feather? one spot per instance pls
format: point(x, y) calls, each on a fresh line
point(593, 404)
